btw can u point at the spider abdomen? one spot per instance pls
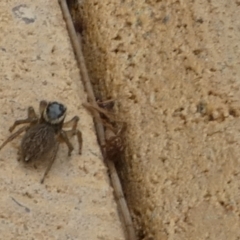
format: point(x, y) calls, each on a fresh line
point(38, 142)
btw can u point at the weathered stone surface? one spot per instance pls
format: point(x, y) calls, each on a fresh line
point(173, 67)
point(76, 200)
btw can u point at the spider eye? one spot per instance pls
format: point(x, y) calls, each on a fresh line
point(55, 110)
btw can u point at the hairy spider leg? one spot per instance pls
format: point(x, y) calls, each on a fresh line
point(14, 135)
point(74, 131)
point(42, 105)
point(122, 129)
point(63, 136)
point(32, 119)
point(52, 159)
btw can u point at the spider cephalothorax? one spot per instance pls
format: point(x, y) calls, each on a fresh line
point(44, 133)
point(54, 113)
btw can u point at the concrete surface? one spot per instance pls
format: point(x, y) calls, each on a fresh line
point(76, 200)
point(173, 67)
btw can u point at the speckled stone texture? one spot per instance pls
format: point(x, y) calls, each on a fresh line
point(76, 200)
point(173, 68)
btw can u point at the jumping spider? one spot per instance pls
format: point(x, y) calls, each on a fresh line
point(44, 133)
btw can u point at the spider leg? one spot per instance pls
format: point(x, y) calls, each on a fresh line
point(63, 136)
point(32, 118)
point(77, 132)
point(74, 131)
point(52, 158)
point(14, 135)
point(122, 129)
point(42, 105)
point(73, 122)
point(91, 107)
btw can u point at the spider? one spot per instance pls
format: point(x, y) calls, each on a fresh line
point(114, 145)
point(43, 134)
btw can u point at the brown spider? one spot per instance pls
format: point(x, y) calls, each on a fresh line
point(44, 134)
point(113, 138)
point(114, 143)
